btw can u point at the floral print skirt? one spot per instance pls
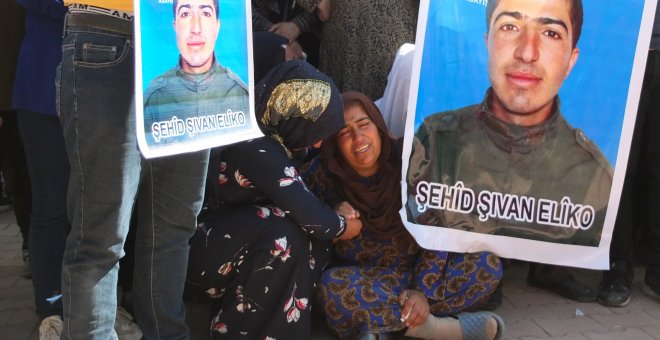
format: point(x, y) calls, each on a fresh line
point(364, 299)
point(260, 269)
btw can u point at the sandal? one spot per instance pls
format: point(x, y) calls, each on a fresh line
point(374, 336)
point(474, 325)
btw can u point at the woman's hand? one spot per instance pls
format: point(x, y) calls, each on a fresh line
point(286, 29)
point(293, 51)
point(346, 209)
point(324, 10)
point(414, 308)
point(353, 222)
point(353, 229)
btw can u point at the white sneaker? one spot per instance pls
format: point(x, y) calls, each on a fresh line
point(51, 328)
point(125, 328)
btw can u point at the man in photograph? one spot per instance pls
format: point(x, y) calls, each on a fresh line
point(198, 85)
point(514, 150)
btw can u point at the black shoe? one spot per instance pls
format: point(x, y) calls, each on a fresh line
point(5, 202)
point(27, 272)
point(614, 291)
point(651, 286)
point(569, 288)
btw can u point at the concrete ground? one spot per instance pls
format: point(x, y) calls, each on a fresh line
point(529, 313)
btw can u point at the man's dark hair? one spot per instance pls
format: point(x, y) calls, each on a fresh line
point(215, 6)
point(576, 17)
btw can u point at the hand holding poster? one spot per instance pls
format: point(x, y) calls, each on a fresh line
point(517, 123)
point(193, 67)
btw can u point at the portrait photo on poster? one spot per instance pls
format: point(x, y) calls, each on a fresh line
point(521, 127)
point(193, 75)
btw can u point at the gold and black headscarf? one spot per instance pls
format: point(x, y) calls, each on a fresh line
point(297, 105)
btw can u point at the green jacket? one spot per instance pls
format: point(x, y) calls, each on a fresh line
point(471, 171)
point(185, 98)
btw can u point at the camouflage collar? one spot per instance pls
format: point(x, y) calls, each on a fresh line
point(196, 82)
point(512, 137)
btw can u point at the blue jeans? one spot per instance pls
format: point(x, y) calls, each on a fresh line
point(95, 100)
point(48, 167)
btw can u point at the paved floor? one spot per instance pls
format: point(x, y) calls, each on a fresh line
point(529, 313)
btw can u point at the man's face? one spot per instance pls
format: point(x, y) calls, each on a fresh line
point(196, 26)
point(530, 54)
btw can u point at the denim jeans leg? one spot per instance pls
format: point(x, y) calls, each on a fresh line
point(95, 101)
point(170, 199)
point(48, 167)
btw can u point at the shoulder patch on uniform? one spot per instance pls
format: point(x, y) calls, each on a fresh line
point(235, 78)
point(593, 149)
point(444, 121)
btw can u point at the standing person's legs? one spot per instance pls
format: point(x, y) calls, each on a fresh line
point(48, 167)
point(652, 163)
point(170, 199)
point(15, 173)
point(616, 283)
point(560, 280)
point(96, 107)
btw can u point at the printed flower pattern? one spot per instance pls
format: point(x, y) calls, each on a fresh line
point(292, 177)
point(245, 304)
point(226, 268)
point(293, 306)
point(312, 260)
point(258, 248)
point(282, 251)
point(218, 326)
point(263, 212)
point(215, 293)
point(242, 180)
point(278, 212)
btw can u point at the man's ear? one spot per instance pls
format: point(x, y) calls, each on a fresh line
point(574, 57)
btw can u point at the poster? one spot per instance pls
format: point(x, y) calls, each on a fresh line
point(523, 118)
point(194, 85)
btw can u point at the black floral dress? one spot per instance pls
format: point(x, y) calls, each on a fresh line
point(258, 257)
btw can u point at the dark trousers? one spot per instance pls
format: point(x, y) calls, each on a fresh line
point(48, 167)
point(14, 170)
point(638, 218)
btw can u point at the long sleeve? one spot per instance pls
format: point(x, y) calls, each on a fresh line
point(259, 21)
point(319, 182)
point(306, 21)
point(52, 8)
point(263, 165)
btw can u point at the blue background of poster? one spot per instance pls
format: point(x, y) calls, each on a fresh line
point(159, 51)
point(593, 97)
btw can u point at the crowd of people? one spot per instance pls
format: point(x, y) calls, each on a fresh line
point(265, 228)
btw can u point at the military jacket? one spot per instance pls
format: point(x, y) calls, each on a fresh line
point(471, 171)
point(178, 105)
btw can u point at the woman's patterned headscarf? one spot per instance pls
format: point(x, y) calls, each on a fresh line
point(297, 105)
